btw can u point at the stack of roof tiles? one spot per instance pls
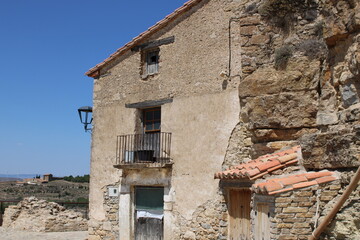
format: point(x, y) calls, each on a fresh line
point(292, 182)
point(263, 165)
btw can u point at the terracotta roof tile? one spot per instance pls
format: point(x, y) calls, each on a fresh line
point(325, 179)
point(137, 40)
point(294, 181)
point(273, 186)
point(282, 190)
point(268, 165)
point(305, 184)
point(314, 175)
point(263, 165)
point(286, 158)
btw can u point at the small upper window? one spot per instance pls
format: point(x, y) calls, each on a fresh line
point(152, 62)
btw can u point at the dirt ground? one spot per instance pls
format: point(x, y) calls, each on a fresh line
point(8, 234)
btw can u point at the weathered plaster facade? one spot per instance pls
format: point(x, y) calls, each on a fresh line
point(245, 78)
point(201, 117)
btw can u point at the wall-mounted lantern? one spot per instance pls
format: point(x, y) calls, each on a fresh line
point(85, 114)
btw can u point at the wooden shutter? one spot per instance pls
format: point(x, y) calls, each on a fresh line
point(239, 211)
point(152, 62)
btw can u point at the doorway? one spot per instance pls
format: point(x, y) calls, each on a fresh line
point(149, 213)
point(239, 213)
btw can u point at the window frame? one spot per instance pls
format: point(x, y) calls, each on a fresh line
point(152, 121)
point(149, 67)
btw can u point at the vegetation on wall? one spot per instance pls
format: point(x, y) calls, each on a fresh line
point(282, 13)
point(313, 49)
point(282, 56)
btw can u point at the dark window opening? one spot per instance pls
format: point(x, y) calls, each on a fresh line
point(152, 62)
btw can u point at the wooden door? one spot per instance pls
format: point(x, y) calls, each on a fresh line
point(149, 229)
point(239, 211)
point(262, 222)
point(149, 212)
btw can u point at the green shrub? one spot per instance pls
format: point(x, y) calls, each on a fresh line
point(282, 56)
point(313, 49)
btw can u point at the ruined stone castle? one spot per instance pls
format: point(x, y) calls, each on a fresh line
point(230, 119)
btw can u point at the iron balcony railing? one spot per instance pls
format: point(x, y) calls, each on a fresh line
point(143, 148)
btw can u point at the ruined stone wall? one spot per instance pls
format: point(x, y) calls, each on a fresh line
point(36, 215)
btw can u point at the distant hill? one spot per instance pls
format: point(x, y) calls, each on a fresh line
point(8, 179)
point(17, 176)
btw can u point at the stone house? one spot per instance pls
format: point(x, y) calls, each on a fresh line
point(213, 85)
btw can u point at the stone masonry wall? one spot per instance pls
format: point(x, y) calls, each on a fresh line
point(209, 221)
point(299, 212)
point(109, 229)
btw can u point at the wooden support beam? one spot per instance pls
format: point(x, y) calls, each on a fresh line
point(154, 44)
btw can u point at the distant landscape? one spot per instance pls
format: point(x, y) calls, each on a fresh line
point(9, 179)
point(15, 177)
point(66, 189)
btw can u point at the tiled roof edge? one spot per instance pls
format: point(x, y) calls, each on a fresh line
point(263, 165)
point(294, 181)
point(93, 72)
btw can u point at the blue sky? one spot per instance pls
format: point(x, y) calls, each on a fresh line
point(46, 46)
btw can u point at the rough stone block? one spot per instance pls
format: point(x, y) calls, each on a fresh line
point(306, 204)
point(287, 237)
point(305, 215)
point(248, 30)
point(299, 231)
point(293, 220)
point(285, 215)
point(295, 210)
point(283, 200)
point(281, 110)
point(282, 205)
point(284, 225)
point(303, 193)
point(301, 225)
point(259, 40)
point(333, 149)
point(270, 81)
point(250, 20)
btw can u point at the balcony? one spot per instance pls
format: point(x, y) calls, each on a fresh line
point(143, 150)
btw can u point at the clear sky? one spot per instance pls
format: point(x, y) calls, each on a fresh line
point(46, 46)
